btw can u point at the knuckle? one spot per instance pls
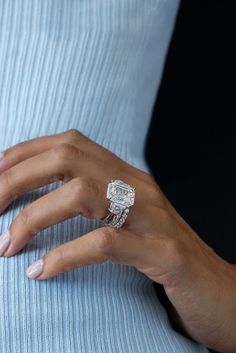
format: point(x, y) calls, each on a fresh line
point(64, 152)
point(19, 149)
point(58, 256)
point(59, 259)
point(25, 221)
point(7, 184)
point(24, 217)
point(72, 135)
point(81, 191)
point(81, 186)
point(105, 239)
point(78, 187)
point(6, 179)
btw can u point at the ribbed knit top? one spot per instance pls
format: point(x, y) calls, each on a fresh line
point(92, 65)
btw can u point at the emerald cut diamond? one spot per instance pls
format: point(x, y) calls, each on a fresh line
point(121, 195)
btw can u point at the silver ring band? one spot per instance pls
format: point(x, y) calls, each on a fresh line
point(116, 221)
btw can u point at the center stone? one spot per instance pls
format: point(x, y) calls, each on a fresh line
point(121, 193)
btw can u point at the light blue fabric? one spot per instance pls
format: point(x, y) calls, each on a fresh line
point(93, 65)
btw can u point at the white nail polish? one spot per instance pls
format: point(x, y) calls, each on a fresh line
point(35, 269)
point(4, 242)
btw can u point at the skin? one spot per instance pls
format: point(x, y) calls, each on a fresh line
point(155, 239)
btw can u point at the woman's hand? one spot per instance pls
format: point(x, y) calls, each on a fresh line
point(154, 239)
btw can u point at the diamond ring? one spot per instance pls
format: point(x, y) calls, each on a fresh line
point(121, 197)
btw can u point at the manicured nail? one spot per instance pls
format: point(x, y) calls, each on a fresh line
point(4, 242)
point(35, 269)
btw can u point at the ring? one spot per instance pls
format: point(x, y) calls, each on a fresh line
point(121, 197)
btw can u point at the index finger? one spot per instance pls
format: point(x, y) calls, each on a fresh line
point(30, 148)
point(100, 245)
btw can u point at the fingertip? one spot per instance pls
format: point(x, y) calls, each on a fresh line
point(35, 269)
point(43, 268)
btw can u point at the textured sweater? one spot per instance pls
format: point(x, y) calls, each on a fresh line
point(92, 65)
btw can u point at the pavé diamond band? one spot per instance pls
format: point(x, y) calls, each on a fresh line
point(121, 197)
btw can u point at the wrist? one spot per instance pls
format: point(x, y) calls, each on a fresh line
point(226, 338)
point(205, 304)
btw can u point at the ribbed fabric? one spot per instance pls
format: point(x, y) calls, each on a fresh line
point(93, 65)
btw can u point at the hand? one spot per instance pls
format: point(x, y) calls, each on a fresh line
point(154, 239)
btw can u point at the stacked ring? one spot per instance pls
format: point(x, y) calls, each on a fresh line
point(121, 197)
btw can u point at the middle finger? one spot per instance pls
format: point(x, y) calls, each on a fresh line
point(80, 196)
point(60, 163)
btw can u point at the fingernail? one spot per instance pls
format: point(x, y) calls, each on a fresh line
point(4, 242)
point(35, 269)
